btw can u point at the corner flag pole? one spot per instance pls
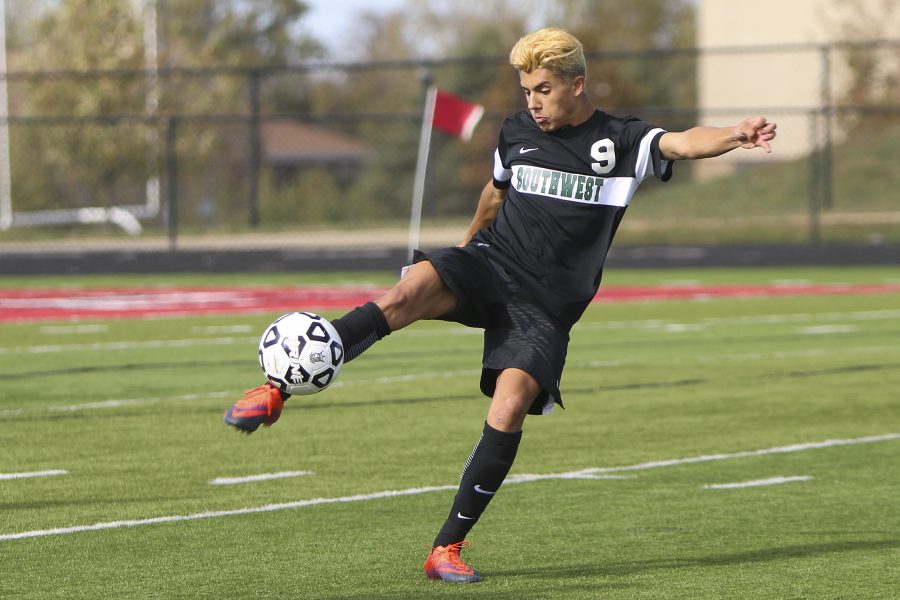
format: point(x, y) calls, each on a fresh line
point(415, 217)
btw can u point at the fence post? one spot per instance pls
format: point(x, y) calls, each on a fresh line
point(827, 113)
point(255, 149)
point(172, 182)
point(815, 179)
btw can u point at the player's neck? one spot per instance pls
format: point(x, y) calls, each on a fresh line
point(583, 112)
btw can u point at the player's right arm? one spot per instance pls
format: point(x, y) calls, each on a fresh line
point(707, 142)
point(488, 207)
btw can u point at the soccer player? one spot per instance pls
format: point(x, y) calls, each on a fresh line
point(530, 262)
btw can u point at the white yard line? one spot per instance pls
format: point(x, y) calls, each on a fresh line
point(260, 477)
point(135, 401)
point(756, 483)
point(771, 319)
point(427, 376)
point(224, 513)
point(220, 329)
point(827, 329)
point(777, 450)
point(125, 345)
point(663, 324)
point(77, 329)
point(525, 478)
point(49, 473)
point(117, 403)
point(390, 379)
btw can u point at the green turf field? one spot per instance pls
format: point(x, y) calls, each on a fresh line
point(663, 401)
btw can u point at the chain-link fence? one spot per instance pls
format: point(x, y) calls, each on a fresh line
point(321, 156)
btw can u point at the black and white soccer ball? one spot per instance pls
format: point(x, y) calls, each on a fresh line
point(301, 353)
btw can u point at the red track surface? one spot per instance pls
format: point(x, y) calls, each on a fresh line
point(45, 304)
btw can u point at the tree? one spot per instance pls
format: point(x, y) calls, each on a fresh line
point(101, 157)
point(230, 37)
point(655, 78)
point(96, 161)
point(872, 72)
point(421, 31)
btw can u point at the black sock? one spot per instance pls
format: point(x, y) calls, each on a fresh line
point(485, 470)
point(360, 328)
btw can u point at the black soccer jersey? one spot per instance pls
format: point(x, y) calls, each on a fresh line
point(567, 192)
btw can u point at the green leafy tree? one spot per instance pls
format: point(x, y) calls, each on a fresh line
point(384, 189)
point(206, 33)
point(211, 33)
point(106, 159)
point(98, 161)
point(872, 72)
point(656, 78)
point(422, 30)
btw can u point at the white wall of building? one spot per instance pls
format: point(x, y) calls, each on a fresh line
point(737, 84)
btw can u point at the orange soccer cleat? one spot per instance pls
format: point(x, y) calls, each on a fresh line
point(260, 406)
point(444, 563)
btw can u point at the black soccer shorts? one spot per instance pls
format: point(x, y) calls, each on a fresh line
point(518, 332)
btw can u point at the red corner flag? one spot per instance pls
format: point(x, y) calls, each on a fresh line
point(454, 115)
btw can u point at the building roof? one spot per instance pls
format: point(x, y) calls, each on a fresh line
point(289, 142)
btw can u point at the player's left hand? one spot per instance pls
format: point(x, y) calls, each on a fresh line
point(755, 132)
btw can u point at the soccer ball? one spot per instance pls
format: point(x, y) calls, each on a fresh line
point(301, 353)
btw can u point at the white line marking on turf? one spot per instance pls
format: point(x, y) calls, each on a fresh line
point(827, 329)
point(261, 477)
point(150, 344)
point(867, 315)
point(135, 401)
point(226, 513)
point(778, 450)
point(220, 329)
point(771, 319)
point(66, 329)
point(389, 380)
point(581, 474)
point(684, 327)
point(747, 356)
point(117, 403)
point(816, 353)
point(756, 483)
point(50, 473)
point(528, 477)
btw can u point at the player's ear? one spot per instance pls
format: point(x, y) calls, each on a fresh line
point(578, 83)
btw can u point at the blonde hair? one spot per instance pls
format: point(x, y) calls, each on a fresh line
point(550, 48)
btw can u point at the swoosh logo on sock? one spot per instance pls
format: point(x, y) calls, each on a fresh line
point(462, 516)
point(481, 491)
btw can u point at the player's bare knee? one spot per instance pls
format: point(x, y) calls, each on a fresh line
point(508, 411)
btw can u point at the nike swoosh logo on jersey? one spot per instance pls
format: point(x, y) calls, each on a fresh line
point(524, 150)
point(481, 491)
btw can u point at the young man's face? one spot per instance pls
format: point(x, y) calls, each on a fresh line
point(552, 101)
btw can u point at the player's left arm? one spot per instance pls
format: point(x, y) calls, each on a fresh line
point(488, 206)
point(706, 142)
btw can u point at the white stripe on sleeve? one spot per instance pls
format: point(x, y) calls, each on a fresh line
point(644, 165)
point(501, 173)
